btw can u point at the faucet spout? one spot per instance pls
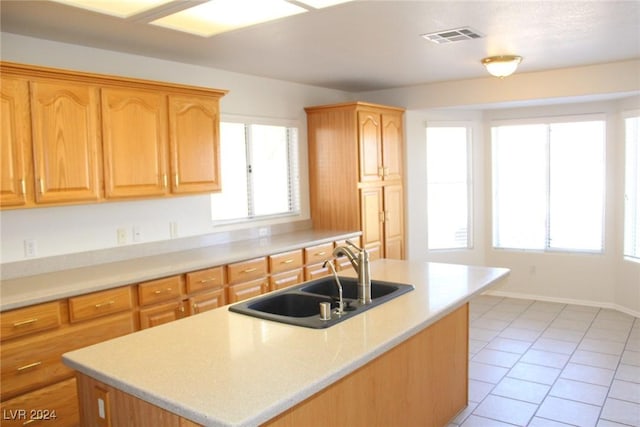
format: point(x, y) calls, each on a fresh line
point(348, 252)
point(360, 263)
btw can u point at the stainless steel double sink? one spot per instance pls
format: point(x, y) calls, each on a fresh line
point(300, 305)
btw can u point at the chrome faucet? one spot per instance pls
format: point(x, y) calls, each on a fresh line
point(360, 263)
point(340, 309)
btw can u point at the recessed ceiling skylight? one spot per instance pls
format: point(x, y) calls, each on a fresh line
point(119, 8)
point(217, 16)
point(319, 4)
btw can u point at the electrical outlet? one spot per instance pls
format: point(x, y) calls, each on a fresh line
point(263, 232)
point(173, 229)
point(122, 236)
point(30, 248)
point(137, 234)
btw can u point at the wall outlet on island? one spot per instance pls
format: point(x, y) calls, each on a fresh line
point(122, 236)
point(30, 248)
point(173, 229)
point(264, 232)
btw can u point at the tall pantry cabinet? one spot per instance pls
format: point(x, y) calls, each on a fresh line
point(355, 173)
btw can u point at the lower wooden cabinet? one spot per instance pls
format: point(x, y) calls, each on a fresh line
point(207, 301)
point(161, 313)
point(54, 405)
point(245, 290)
point(286, 279)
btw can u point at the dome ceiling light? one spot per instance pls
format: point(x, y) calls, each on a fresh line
point(503, 65)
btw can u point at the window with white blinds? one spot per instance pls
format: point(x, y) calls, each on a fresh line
point(259, 167)
point(448, 187)
point(632, 189)
point(549, 185)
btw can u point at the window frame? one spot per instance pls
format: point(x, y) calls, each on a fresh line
point(548, 121)
point(631, 114)
point(470, 187)
point(295, 197)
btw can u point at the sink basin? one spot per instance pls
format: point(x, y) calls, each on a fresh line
point(300, 305)
point(290, 304)
point(349, 288)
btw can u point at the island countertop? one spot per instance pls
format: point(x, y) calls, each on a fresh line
point(221, 368)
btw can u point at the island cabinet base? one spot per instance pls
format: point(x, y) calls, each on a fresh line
point(421, 382)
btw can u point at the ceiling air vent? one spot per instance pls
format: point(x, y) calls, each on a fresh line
point(455, 35)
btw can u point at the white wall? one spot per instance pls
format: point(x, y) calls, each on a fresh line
point(64, 230)
point(604, 280)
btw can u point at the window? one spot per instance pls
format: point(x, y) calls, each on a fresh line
point(548, 185)
point(448, 187)
point(632, 189)
point(259, 167)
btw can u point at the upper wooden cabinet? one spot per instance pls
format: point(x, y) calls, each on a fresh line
point(193, 143)
point(355, 173)
point(15, 142)
point(71, 137)
point(134, 125)
point(66, 141)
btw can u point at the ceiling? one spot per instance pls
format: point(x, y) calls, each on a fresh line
point(363, 45)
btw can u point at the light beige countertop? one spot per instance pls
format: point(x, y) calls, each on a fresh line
point(221, 368)
point(29, 290)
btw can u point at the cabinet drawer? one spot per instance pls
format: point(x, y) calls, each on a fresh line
point(100, 304)
point(210, 278)
point(247, 270)
point(23, 321)
point(160, 290)
point(36, 361)
point(56, 405)
point(316, 271)
point(285, 261)
point(318, 253)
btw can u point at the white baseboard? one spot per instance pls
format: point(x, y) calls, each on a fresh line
point(518, 295)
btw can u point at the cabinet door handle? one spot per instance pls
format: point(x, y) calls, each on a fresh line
point(381, 216)
point(380, 171)
point(249, 270)
point(25, 322)
point(29, 366)
point(288, 261)
point(323, 253)
point(195, 308)
point(159, 291)
point(385, 172)
point(105, 304)
point(164, 180)
point(211, 279)
point(177, 180)
point(23, 186)
point(41, 185)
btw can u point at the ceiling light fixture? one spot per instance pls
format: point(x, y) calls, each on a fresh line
point(121, 9)
point(503, 65)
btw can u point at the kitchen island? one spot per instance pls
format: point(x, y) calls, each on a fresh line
point(405, 360)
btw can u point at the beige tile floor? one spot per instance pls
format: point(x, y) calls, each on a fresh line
point(535, 363)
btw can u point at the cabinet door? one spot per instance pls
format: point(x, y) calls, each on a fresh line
point(194, 144)
point(370, 144)
point(161, 314)
point(135, 143)
point(393, 222)
point(15, 140)
point(242, 291)
point(392, 146)
point(286, 279)
point(372, 217)
point(66, 141)
point(207, 301)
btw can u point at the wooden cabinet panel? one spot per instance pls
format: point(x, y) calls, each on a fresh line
point(392, 137)
point(66, 141)
point(393, 222)
point(135, 132)
point(316, 271)
point(242, 291)
point(247, 270)
point(27, 320)
point(210, 278)
point(15, 142)
point(160, 290)
point(207, 301)
point(33, 362)
point(160, 314)
point(194, 144)
point(99, 304)
point(286, 279)
point(285, 261)
point(55, 405)
point(372, 217)
point(370, 141)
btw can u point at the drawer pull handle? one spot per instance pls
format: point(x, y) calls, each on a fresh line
point(159, 291)
point(249, 270)
point(105, 304)
point(323, 253)
point(25, 322)
point(288, 261)
point(195, 308)
point(212, 279)
point(29, 366)
point(32, 420)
